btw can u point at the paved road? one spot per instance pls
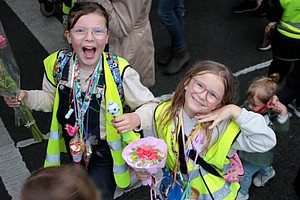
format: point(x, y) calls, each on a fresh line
point(212, 32)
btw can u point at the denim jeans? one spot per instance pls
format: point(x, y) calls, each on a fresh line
point(250, 170)
point(170, 13)
point(101, 170)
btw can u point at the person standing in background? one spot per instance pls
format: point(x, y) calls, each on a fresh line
point(177, 56)
point(131, 35)
point(285, 43)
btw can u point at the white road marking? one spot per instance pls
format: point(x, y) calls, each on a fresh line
point(13, 169)
point(250, 69)
point(45, 29)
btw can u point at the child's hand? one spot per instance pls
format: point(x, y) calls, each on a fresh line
point(225, 112)
point(126, 122)
point(143, 175)
point(14, 102)
point(277, 106)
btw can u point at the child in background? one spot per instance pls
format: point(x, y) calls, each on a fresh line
point(79, 93)
point(202, 120)
point(60, 183)
point(258, 96)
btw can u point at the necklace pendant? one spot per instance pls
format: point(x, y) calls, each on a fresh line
point(87, 154)
point(75, 149)
point(69, 113)
point(72, 130)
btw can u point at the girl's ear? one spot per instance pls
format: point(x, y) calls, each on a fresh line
point(186, 84)
point(107, 37)
point(68, 36)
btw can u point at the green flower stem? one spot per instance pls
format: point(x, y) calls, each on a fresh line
point(30, 123)
point(24, 115)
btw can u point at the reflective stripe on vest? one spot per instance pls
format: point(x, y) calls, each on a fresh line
point(289, 25)
point(116, 145)
point(289, 29)
point(219, 188)
point(120, 169)
point(53, 157)
point(54, 135)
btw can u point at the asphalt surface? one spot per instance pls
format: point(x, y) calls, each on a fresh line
point(212, 32)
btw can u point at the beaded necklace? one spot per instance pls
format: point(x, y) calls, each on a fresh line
point(195, 138)
point(81, 102)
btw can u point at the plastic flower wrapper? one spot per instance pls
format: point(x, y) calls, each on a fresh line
point(146, 155)
point(10, 86)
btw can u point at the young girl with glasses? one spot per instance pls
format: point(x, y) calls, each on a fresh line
point(80, 94)
point(200, 124)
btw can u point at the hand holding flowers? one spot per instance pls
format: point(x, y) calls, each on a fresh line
point(146, 155)
point(10, 88)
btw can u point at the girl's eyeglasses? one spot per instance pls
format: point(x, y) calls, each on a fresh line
point(199, 87)
point(81, 32)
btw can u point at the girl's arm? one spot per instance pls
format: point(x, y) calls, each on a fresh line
point(41, 100)
point(255, 135)
point(140, 100)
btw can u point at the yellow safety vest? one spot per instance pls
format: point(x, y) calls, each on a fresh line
point(56, 143)
point(216, 156)
point(289, 25)
point(66, 9)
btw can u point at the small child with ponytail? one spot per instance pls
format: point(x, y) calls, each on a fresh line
point(258, 95)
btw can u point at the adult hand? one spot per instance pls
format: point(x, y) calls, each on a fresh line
point(126, 122)
point(14, 102)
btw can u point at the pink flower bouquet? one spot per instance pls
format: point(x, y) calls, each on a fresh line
point(146, 154)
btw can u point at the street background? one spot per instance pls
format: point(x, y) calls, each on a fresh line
point(212, 32)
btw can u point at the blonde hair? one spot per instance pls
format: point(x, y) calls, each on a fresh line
point(178, 99)
point(66, 182)
point(264, 87)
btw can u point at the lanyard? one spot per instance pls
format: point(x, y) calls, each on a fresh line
point(81, 103)
point(187, 143)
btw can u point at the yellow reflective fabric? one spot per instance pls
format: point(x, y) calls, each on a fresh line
point(289, 25)
point(219, 188)
point(56, 144)
point(111, 93)
point(66, 9)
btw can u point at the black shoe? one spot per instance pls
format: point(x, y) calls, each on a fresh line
point(245, 6)
point(177, 62)
point(166, 57)
point(265, 45)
